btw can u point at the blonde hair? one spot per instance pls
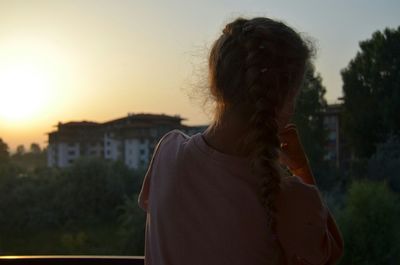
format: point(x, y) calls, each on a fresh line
point(253, 67)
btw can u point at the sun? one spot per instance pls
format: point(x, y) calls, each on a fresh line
point(24, 90)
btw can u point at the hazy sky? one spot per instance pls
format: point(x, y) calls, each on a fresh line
point(99, 60)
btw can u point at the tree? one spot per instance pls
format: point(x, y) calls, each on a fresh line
point(369, 224)
point(91, 190)
point(72, 210)
point(4, 155)
point(371, 89)
point(308, 118)
point(133, 221)
point(35, 148)
point(384, 164)
point(20, 150)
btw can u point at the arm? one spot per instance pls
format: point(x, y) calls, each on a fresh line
point(306, 175)
point(294, 157)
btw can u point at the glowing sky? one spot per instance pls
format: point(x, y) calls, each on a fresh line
point(99, 60)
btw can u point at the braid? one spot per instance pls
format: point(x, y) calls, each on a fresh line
point(262, 84)
point(263, 138)
point(254, 64)
point(263, 130)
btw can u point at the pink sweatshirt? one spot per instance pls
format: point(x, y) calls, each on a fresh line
point(202, 209)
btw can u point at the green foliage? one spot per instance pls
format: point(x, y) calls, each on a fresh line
point(101, 239)
point(30, 161)
point(385, 163)
point(132, 219)
point(371, 88)
point(69, 211)
point(74, 242)
point(4, 154)
point(89, 187)
point(308, 118)
point(369, 223)
point(20, 150)
point(35, 148)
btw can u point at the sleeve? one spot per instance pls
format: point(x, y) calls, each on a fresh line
point(143, 198)
point(302, 226)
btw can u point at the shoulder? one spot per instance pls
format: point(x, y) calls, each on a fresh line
point(178, 133)
point(173, 135)
point(169, 145)
point(160, 154)
point(170, 136)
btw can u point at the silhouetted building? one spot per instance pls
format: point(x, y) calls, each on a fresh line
point(335, 147)
point(73, 140)
point(131, 139)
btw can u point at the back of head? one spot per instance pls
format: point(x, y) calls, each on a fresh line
point(254, 66)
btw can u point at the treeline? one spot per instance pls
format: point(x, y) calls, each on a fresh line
point(89, 208)
point(368, 209)
point(369, 212)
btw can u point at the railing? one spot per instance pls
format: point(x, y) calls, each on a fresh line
point(71, 260)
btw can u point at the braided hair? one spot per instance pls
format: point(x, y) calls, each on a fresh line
point(253, 67)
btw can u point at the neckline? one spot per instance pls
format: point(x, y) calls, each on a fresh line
point(215, 154)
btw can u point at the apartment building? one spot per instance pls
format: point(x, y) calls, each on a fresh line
point(336, 145)
point(130, 139)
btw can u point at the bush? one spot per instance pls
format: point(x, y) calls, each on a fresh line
point(133, 222)
point(369, 223)
point(384, 164)
point(71, 210)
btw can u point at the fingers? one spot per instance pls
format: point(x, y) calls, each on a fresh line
point(291, 148)
point(290, 127)
point(289, 135)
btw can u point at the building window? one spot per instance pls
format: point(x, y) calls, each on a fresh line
point(71, 152)
point(142, 151)
point(332, 135)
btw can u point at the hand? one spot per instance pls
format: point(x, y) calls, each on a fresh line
point(292, 154)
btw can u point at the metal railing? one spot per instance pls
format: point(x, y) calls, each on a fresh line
point(71, 260)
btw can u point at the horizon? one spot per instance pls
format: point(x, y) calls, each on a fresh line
point(54, 128)
point(97, 60)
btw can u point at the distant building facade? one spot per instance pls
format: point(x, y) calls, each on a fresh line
point(335, 146)
point(131, 139)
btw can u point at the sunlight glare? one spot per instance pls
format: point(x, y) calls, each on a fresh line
point(23, 91)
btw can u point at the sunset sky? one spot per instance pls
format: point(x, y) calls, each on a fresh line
point(99, 60)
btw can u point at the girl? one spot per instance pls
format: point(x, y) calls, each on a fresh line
point(222, 196)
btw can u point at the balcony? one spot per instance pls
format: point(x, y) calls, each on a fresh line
point(69, 260)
